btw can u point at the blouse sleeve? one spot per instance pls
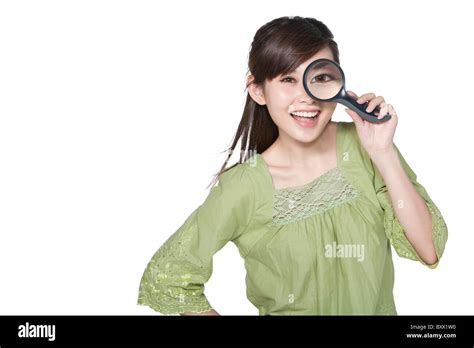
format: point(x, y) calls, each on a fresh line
point(173, 280)
point(394, 230)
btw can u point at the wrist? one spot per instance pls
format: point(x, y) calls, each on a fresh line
point(385, 158)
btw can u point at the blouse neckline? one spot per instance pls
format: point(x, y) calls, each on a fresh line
point(336, 168)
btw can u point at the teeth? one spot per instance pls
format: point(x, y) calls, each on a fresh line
point(305, 114)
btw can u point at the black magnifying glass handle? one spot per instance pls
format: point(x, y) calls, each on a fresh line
point(332, 88)
point(351, 103)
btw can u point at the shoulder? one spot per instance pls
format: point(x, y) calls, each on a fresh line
point(235, 174)
point(350, 144)
point(348, 137)
point(348, 131)
point(236, 181)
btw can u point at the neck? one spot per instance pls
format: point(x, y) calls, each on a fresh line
point(296, 154)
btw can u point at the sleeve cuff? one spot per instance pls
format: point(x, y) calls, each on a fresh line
point(402, 245)
point(170, 304)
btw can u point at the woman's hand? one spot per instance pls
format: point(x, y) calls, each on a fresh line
point(211, 312)
point(376, 138)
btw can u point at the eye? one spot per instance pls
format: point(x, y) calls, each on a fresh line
point(287, 79)
point(322, 78)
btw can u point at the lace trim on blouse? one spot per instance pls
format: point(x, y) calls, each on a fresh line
point(325, 192)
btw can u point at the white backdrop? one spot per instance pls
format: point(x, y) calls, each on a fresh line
point(113, 116)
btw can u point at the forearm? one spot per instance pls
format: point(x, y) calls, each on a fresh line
point(409, 207)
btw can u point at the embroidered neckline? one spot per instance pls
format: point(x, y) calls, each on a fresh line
point(326, 192)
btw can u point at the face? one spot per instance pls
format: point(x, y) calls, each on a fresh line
point(296, 114)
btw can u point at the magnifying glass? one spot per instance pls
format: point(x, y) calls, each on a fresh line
point(324, 80)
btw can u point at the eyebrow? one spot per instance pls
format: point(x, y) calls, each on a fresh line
point(289, 73)
point(322, 65)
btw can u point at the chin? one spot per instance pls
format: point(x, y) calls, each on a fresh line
point(308, 135)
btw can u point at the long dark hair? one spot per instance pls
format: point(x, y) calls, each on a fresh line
point(278, 47)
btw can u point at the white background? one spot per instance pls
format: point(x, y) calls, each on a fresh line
point(114, 115)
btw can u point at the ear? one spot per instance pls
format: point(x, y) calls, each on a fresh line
point(255, 91)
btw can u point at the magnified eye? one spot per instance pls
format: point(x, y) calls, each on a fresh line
point(322, 78)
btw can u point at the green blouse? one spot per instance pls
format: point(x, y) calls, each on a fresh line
point(322, 248)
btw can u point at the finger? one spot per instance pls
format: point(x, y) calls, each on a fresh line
point(376, 111)
point(352, 94)
point(365, 97)
point(373, 103)
point(391, 110)
point(384, 111)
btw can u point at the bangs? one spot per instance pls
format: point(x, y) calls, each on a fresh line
point(281, 46)
point(286, 56)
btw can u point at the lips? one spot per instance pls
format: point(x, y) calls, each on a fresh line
point(305, 113)
point(306, 118)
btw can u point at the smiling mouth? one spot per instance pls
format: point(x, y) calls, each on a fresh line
point(306, 119)
point(305, 115)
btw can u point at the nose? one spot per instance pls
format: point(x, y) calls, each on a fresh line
point(303, 97)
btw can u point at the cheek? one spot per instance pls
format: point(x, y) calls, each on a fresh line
point(279, 100)
point(330, 106)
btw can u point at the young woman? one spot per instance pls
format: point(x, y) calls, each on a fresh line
point(313, 205)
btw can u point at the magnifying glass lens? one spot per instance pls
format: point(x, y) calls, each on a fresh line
point(324, 80)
